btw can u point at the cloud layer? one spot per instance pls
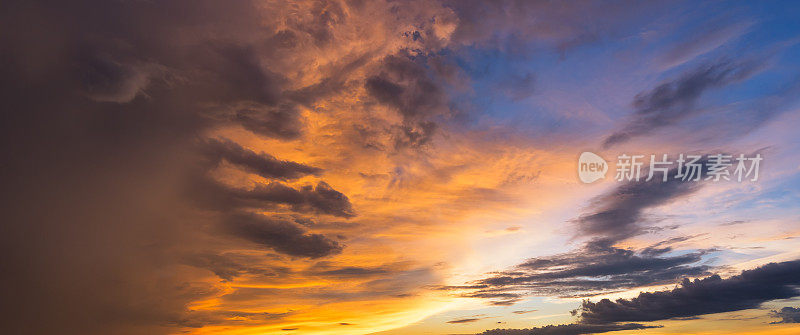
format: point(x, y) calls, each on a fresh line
point(323, 166)
point(696, 297)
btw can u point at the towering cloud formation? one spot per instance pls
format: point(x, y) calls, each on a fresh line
point(111, 109)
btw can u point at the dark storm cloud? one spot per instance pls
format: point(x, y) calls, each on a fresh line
point(241, 76)
point(787, 315)
point(696, 297)
point(569, 329)
point(282, 236)
point(262, 164)
point(673, 101)
point(103, 104)
point(108, 80)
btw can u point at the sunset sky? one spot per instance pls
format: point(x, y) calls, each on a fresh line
point(396, 167)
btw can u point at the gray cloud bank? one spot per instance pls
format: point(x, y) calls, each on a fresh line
point(691, 298)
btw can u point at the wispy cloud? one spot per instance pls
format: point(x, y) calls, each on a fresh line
point(787, 315)
point(674, 100)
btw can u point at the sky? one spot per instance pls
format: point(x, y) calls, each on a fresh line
point(397, 167)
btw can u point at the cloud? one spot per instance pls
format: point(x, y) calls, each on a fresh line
point(787, 315)
point(320, 199)
point(496, 296)
point(696, 297)
point(115, 109)
point(673, 101)
point(703, 40)
point(413, 135)
point(518, 86)
point(238, 68)
point(228, 266)
point(569, 329)
point(619, 214)
point(262, 164)
point(199, 319)
point(280, 235)
point(112, 152)
point(324, 199)
point(692, 298)
point(733, 223)
point(596, 267)
point(282, 121)
point(468, 320)
point(404, 84)
point(326, 270)
point(665, 246)
point(524, 312)
point(107, 80)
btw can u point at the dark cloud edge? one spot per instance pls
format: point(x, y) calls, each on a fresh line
point(691, 298)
